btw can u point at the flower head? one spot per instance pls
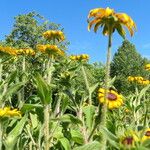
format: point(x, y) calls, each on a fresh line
point(129, 138)
point(50, 49)
point(25, 51)
point(110, 21)
point(146, 135)
point(7, 112)
point(113, 100)
point(83, 57)
point(147, 67)
point(8, 50)
point(53, 34)
point(139, 80)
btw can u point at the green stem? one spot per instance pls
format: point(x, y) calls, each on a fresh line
point(1, 135)
point(46, 125)
point(24, 64)
point(47, 107)
point(1, 69)
point(107, 77)
point(83, 127)
point(49, 72)
point(87, 84)
point(23, 78)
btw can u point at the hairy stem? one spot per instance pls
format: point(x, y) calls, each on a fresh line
point(83, 127)
point(47, 107)
point(1, 68)
point(46, 125)
point(107, 77)
point(87, 84)
point(1, 135)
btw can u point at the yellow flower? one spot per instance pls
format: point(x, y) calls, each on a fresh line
point(72, 57)
point(130, 78)
point(139, 80)
point(147, 67)
point(52, 34)
point(113, 100)
point(145, 82)
point(50, 49)
point(110, 21)
point(83, 57)
point(25, 51)
point(7, 112)
point(129, 138)
point(8, 50)
point(146, 135)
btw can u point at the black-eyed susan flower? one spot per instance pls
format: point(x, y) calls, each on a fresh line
point(25, 51)
point(50, 49)
point(130, 78)
point(139, 80)
point(8, 50)
point(110, 21)
point(129, 138)
point(146, 135)
point(113, 99)
point(147, 67)
point(54, 34)
point(83, 57)
point(8, 112)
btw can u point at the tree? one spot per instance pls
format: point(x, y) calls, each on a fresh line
point(127, 62)
point(27, 31)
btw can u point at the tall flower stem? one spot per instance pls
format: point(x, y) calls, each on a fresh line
point(86, 83)
point(1, 135)
point(23, 79)
point(21, 96)
point(46, 125)
point(1, 126)
point(107, 77)
point(47, 107)
point(1, 68)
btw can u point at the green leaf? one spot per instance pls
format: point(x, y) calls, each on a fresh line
point(13, 89)
point(111, 137)
point(143, 91)
point(120, 30)
point(89, 112)
point(12, 76)
point(77, 136)
point(65, 143)
point(90, 146)
point(93, 87)
point(34, 120)
point(13, 136)
point(28, 107)
point(43, 89)
point(70, 118)
point(146, 143)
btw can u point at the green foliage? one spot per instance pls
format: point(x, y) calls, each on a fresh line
point(27, 25)
point(58, 100)
point(127, 62)
point(13, 136)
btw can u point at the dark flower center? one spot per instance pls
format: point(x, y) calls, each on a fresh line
point(147, 133)
point(111, 96)
point(127, 141)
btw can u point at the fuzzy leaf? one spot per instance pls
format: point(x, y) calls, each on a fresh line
point(90, 146)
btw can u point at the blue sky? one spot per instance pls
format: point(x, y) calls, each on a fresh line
point(72, 15)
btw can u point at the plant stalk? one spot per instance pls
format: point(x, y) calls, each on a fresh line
point(107, 77)
point(47, 108)
point(87, 84)
point(46, 125)
point(1, 68)
point(1, 135)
